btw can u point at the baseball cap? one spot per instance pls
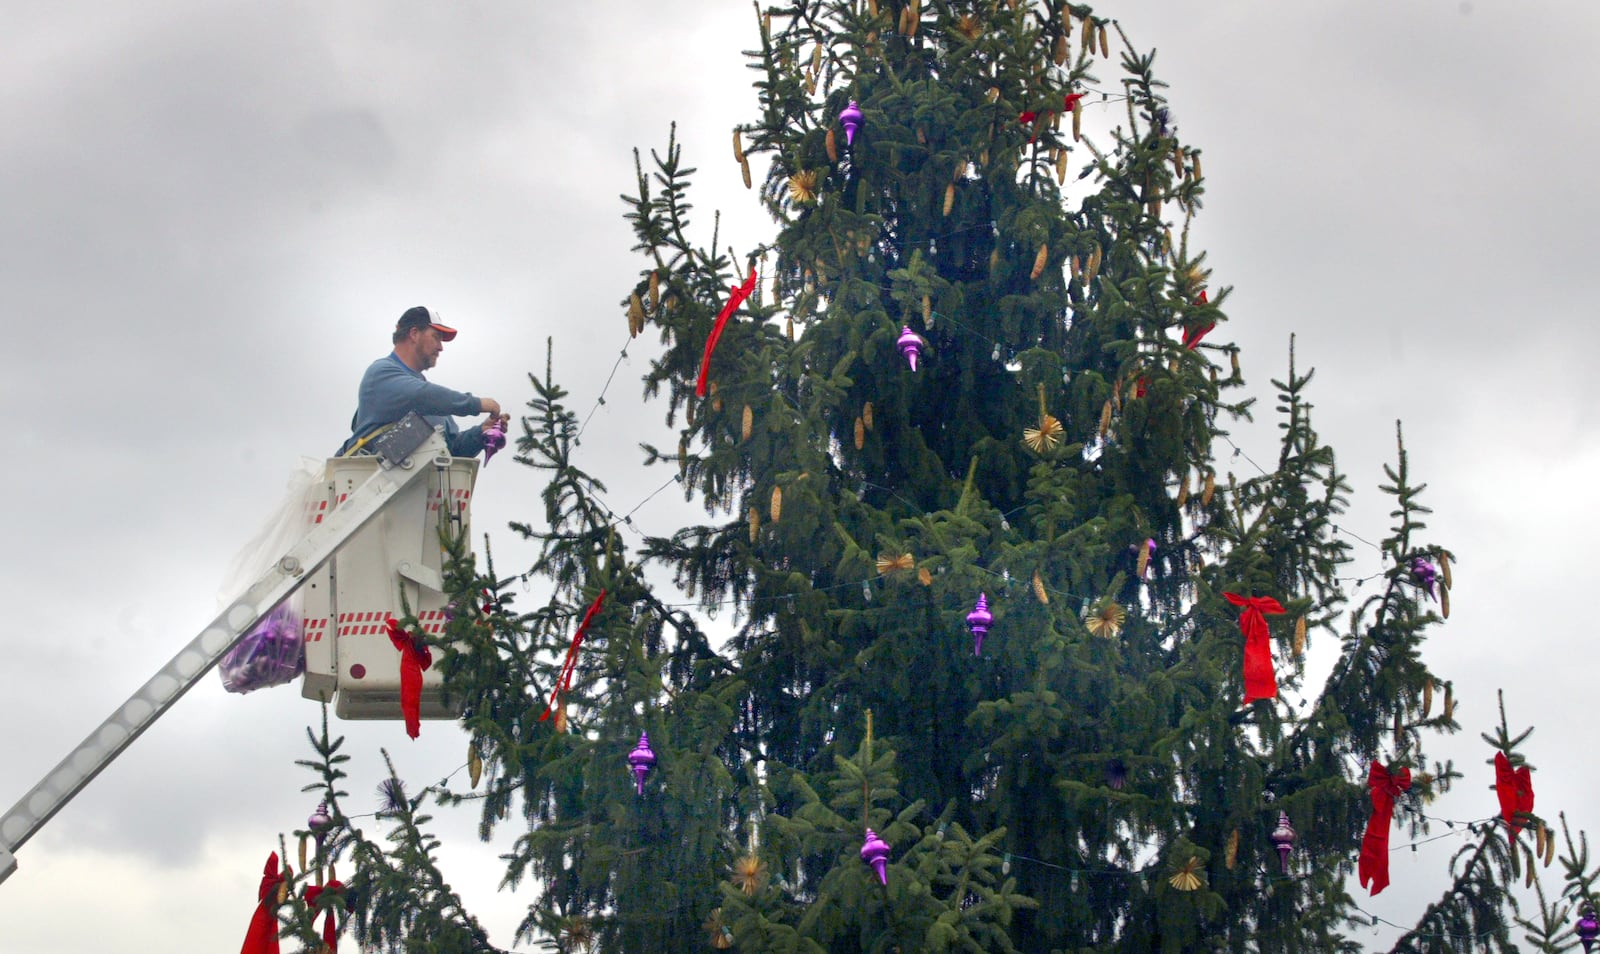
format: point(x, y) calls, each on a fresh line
point(422, 317)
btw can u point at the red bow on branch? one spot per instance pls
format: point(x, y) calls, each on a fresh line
point(1030, 115)
point(1515, 790)
point(736, 296)
point(414, 658)
point(1192, 336)
point(330, 927)
point(568, 667)
point(1260, 682)
point(1374, 865)
point(262, 937)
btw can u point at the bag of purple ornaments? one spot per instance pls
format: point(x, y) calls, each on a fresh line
point(271, 654)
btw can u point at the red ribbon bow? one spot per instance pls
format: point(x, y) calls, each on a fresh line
point(1515, 790)
point(1374, 865)
point(736, 296)
point(567, 668)
point(1260, 682)
point(414, 658)
point(1071, 104)
point(1192, 336)
point(330, 927)
point(262, 936)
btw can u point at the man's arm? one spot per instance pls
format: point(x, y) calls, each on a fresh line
point(389, 391)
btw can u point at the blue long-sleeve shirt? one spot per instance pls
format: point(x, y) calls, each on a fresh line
point(390, 389)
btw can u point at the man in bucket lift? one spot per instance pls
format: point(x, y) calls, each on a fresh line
point(394, 386)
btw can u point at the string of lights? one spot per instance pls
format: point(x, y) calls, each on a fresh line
point(1239, 452)
point(1076, 873)
point(1000, 575)
point(1376, 920)
point(1468, 827)
point(621, 355)
point(626, 520)
point(443, 788)
point(1004, 577)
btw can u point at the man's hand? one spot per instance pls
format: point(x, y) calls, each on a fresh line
point(489, 406)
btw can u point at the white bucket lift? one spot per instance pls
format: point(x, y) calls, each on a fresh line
point(376, 530)
point(350, 660)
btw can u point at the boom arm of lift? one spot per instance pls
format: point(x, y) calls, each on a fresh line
point(398, 469)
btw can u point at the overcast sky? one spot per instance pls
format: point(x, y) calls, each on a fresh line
point(214, 212)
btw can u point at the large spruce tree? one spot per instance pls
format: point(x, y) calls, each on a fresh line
point(1094, 779)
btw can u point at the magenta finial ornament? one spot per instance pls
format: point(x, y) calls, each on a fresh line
point(910, 345)
point(1426, 575)
point(494, 438)
point(850, 118)
point(641, 759)
point(1588, 927)
point(1283, 840)
point(875, 852)
point(319, 822)
point(979, 621)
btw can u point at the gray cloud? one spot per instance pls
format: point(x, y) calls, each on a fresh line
point(214, 213)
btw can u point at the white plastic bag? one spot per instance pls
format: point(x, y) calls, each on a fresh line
point(273, 652)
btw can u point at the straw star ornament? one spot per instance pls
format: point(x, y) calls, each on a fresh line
point(1107, 620)
point(1044, 438)
point(1187, 877)
point(888, 563)
point(749, 874)
point(1047, 436)
point(803, 186)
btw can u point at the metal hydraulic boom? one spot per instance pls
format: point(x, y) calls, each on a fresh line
point(415, 452)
